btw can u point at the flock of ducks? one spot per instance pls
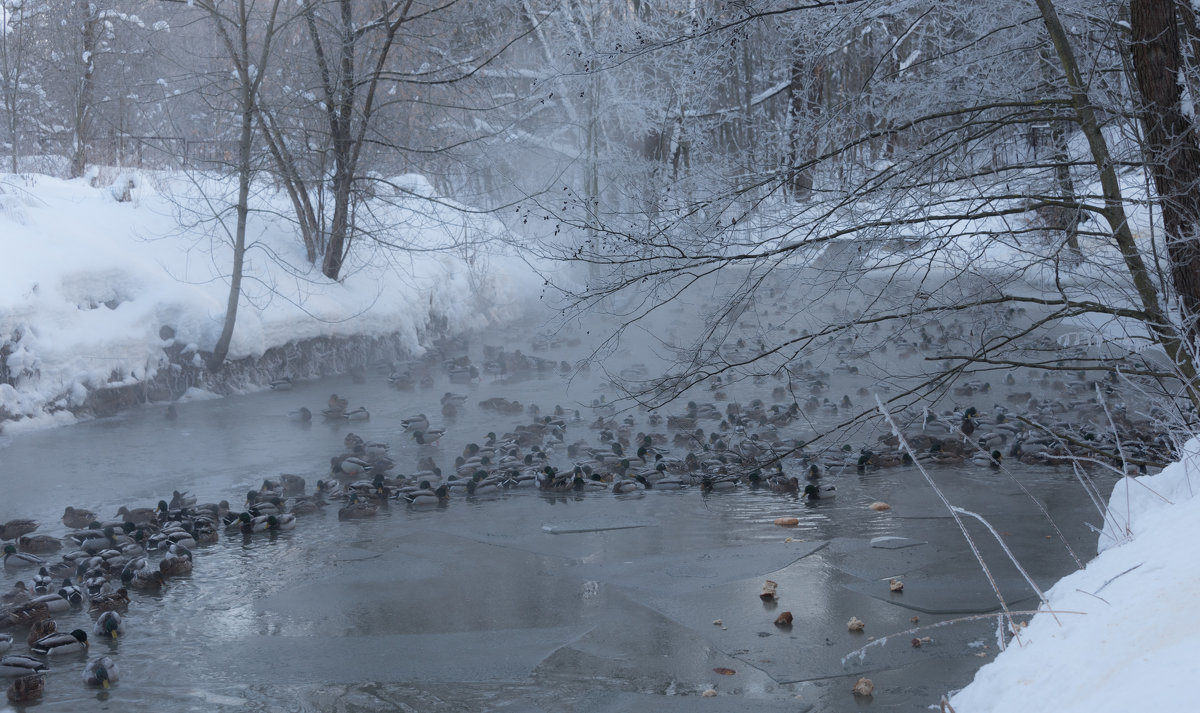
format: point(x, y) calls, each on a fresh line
point(707, 447)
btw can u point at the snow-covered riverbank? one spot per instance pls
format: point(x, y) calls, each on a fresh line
point(101, 277)
point(1124, 634)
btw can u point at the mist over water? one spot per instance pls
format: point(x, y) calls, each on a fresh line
point(557, 602)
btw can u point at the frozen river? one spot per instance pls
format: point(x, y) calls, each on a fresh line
point(527, 601)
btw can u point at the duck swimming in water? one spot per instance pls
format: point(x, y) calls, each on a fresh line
point(20, 560)
point(101, 672)
point(60, 644)
point(27, 688)
point(109, 625)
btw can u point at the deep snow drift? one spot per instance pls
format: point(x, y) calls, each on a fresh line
point(94, 268)
point(1124, 635)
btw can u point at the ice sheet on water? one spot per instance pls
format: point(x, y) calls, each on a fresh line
point(569, 527)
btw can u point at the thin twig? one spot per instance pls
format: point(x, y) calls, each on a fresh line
point(957, 519)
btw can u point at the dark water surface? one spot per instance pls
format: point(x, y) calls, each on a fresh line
point(524, 601)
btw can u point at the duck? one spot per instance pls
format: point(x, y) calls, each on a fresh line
point(19, 594)
point(20, 560)
point(783, 484)
point(5, 642)
point(481, 484)
point(40, 629)
point(283, 383)
point(415, 423)
point(111, 601)
point(72, 593)
point(813, 492)
point(101, 672)
point(13, 529)
point(337, 404)
point(300, 415)
point(181, 501)
point(175, 564)
point(357, 509)
point(147, 580)
point(352, 466)
point(358, 414)
point(60, 644)
point(109, 624)
point(281, 522)
point(27, 688)
point(20, 665)
point(427, 495)
point(137, 516)
point(77, 518)
point(990, 460)
point(428, 437)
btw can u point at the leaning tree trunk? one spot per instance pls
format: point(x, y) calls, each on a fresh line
point(1151, 311)
point(1170, 146)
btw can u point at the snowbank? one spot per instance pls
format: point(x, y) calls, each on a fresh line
point(1125, 637)
point(94, 270)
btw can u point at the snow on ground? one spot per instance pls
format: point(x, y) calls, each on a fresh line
point(88, 280)
point(1125, 635)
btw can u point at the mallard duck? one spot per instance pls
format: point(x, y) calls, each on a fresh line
point(60, 644)
point(357, 509)
point(132, 568)
point(281, 522)
point(109, 624)
point(54, 603)
point(991, 460)
point(175, 564)
point(352, 466)
point(137, 516)
point(249, 524)
point(20, 560)
point(429, 436)
point(72, 593)
point(415, 423)
point(27, 688)
point(626, 486)
point(25, 614)
point(77, 518)
point(5, 642)
point(40, 629)
point(824, 492)
point(483, 484)
point(783, 484)
point(427, 495)
point(338, 404)
point(20, 665)
point(358, 414)
point(112, 601)
point(711, 485)
point(13, 529)
point(147, 580)
point(39, 544)
point(19, 594)
point(101, 672)
point(283, 383)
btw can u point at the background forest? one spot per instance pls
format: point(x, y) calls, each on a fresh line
point(1028, 158)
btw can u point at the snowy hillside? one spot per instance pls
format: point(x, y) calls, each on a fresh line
point(1124, 629)
point(100, 276)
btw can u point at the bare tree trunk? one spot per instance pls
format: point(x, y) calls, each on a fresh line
point(1070, 211)
point(1152, 313)
point(245, 147)
point(341, 96)
point(85, 92)
point(804, 100)
point(1171, 147)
